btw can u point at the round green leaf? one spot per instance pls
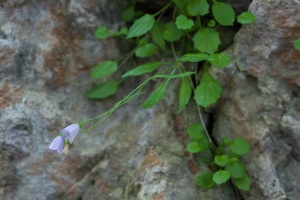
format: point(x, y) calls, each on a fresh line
point(219, 60)
point(207, 40)
point(193, 147)
point(221, 160)
point(221, 176)
point(171, 33)
point(246, 18)
point(243, 183)
point(142, 69)
point(197, 7)
point(141, 26)
point(146, 50)
point(223, 13)
point(103, 90)
point(102, 32)
point(195, 131)
point(182, 22)
point(208, 91)
point(205, 180)
point(239, 146)
point(104, 69)
point(236, 169)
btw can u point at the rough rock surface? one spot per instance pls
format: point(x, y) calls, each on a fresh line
point(47, 50)
point(261, 99)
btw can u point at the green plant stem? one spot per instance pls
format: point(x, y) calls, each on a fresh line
point(127, 98)
point(163, 9)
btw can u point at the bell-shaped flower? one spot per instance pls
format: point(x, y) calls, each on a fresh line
point(57, 144)
point(70, 132)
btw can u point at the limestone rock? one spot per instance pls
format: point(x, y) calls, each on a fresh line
point(261, 97)
point(47, 50)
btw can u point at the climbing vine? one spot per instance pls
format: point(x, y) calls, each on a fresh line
point(189, 31)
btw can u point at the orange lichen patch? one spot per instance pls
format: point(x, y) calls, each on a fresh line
point(9, 95)
point(159, 196)
point(150, 160)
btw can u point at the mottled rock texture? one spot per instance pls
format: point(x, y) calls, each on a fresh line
point(47, 50)
point(261, 99)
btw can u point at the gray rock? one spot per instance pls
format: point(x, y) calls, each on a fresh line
point(47, 50)
point(260, 99)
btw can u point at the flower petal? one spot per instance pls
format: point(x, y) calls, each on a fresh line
point(70, 132)
point(57, 144)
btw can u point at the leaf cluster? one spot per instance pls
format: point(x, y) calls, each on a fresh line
point(152, 34)
point(226, 159)
point(191, 36)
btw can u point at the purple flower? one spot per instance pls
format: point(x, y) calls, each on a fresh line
point(57, 144)
point(70, 132)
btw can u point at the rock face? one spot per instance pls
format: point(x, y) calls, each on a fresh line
point(47, 50)
point(261, 99)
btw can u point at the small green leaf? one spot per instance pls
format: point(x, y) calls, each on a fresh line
point(226, 141)
point(239, 146)
point(205, 180)
point(142, 69)
point(243, 183)
point(208, 91)
point(296, 44)
point(171, 33)
point(184, 74)
point(102, 32)
point(184, 93)
point(145, 51)
point(182, 22)
point(221, 160)
point(219, 60)
point(223, 13)
point(156, 96)
point(128, 14)
point(157, 34)
point(195, 57)
point(180, 3)
point(103, 90)
point(236, 169)
point(193, 147)
point(104, 69)
point(203, 143)
point(122, 31)
point(207, 40)
point(141, 26)
point(246, 18)
point(197, 7)
point(195, 131)
point(221, 176)
point(211, 23)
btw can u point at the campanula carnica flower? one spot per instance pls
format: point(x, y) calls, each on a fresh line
point(65, 137)
point(57, 144)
